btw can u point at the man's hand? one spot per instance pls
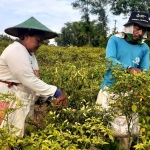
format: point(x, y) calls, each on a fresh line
point(135, 70)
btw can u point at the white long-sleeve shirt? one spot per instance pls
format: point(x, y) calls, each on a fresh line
point(17, 65)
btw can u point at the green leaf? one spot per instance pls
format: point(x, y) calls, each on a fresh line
point(134, 108)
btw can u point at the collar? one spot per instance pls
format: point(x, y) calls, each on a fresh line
point(122, 35)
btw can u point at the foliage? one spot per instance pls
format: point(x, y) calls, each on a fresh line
point(133, 92)
point(71, 129)
point(80, 125)
point(6, 38)
point(99, 8)
point(78, 71)
point(75, 34)
point(83, 6)
point(127, 6)
point(77, 66)
point(6, 133)
point(86, 32)
point(45, 42)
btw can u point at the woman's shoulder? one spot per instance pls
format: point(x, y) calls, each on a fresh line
point(14, 49)
point(15, 45)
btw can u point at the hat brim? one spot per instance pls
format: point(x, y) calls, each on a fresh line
point(139, 23)
point(14, 32)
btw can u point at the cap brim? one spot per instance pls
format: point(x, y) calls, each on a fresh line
point(139, 23)
point(14, 32)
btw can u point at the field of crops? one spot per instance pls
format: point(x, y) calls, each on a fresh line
point(81, 125)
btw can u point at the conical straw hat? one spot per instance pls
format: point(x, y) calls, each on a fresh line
point(31, 24)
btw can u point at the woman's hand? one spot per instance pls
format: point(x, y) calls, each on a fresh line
point(60, 101)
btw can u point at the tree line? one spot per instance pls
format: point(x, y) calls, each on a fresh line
point(94, 32)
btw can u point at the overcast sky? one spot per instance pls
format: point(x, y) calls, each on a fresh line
point(52, 13)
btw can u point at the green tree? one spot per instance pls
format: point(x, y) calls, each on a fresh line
point(98, 7)
point(45, 42)
point(98, 37)
point(75, 34)
point(84, 7)
point(6, 38)
point(72, 35)
point(126, 6)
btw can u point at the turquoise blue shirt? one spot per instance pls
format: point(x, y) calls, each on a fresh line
point(122, 52)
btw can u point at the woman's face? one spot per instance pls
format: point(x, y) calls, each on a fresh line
point(32, 43)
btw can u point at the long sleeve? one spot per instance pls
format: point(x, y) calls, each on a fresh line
point(119, 51)
point(112, 52)
point(126, 54)
point(19, 69)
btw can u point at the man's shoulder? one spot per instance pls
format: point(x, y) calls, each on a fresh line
point(116, 38)
point(118, 35)
point(145, 45)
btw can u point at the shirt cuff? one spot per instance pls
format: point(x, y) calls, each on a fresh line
point(57, 93)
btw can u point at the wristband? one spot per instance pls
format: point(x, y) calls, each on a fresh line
point(57, 93)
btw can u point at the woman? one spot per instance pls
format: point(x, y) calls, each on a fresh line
point(19, 72)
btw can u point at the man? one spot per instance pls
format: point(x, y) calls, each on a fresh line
point(129, 50)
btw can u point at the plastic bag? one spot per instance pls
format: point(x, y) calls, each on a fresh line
point(17, 117)
point(119, 124)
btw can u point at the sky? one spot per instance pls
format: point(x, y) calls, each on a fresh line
point(52, 13)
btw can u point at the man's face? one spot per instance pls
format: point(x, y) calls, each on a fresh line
point(138, 32)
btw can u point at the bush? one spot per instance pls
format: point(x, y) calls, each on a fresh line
point(82, 124)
